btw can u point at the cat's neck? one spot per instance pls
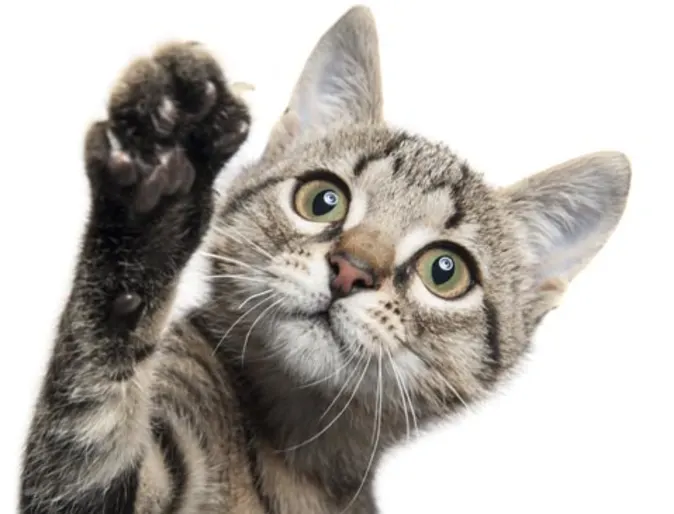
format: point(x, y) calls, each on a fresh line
point(329, 441)
point(324, 434)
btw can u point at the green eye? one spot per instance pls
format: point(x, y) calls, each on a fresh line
point(444, 273)
point(321, 201)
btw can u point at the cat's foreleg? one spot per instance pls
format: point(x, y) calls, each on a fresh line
point(172, 124)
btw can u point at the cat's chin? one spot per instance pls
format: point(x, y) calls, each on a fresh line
point(312, 348)
point(323, 320)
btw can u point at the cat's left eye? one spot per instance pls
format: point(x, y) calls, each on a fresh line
point(444, 272)
point(322, 201)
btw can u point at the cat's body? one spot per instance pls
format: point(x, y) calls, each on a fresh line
point(364, 282)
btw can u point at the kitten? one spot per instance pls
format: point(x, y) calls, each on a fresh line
point(365, 282)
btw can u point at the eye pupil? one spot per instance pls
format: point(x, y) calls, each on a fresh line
point(324, 202)
point(442, 269)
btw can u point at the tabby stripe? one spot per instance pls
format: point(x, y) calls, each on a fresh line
point(238, 202)
point(391, 147)
point(255, 472)
point(192, 392)
point(457, 197)
point(174, 459)
point(446, 179)
point(456, 218)
point(493, 338)
point(200, 361)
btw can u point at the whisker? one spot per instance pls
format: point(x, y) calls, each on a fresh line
point(342, 389)
point(238, 320)
point(274, 352)
point(454, 391)
point(339, 414)
point(253, 296)
point(331, 375)
point(400, 389)
point(378, 413)
point(252, 326)
point(280, 232)
point(413, 412)
point(242, 240)
point(239, 277)
point(277, 350)
point(260, 356)
point(257, 247)
point(231, 260)
point(406, 391)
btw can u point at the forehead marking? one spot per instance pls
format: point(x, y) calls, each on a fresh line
point(457, 195)
point(391, 147)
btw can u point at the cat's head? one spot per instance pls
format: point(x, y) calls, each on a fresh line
point(368, 257)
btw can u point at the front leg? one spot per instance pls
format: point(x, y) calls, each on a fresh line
point(173, 123)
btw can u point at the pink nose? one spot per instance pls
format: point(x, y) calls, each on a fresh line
point(349, 275)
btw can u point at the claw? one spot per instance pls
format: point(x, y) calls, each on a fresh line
point(122, 169)
point(166, 116)
point(150, 190)
point(210, 96)
point(239, 88)
point(187, 172)
point(170, 167)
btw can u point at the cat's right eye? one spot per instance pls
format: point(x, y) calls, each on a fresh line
point(321, 201)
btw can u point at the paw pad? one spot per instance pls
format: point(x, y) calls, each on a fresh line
point(171, 116)
point(174, 174)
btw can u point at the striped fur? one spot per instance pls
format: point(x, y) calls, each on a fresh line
point(277, 396)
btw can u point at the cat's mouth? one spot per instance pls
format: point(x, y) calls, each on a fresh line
point(323, 320)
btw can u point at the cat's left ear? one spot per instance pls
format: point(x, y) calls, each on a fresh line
point(566, 214)
point(340, 83)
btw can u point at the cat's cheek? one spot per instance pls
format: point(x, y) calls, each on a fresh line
point(304, 279)
point(419, 294)
point(301, 293)
point(364, 317)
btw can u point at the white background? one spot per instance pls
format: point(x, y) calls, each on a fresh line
point(512, 86)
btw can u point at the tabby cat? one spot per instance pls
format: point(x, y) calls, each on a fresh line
point(363, 283)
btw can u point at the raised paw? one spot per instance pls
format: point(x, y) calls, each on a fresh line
point(173, 123)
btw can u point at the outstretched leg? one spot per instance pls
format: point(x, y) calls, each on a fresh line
point(172, 125)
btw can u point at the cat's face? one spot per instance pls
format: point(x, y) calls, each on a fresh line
point(440, 267)
point(368, 259)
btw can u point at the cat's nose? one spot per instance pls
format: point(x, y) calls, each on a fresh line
point(349, 274)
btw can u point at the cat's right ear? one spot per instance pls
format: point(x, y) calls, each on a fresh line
point(340, 83)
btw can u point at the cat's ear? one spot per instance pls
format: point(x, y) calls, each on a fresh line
point(566, 213)
point(340, 83)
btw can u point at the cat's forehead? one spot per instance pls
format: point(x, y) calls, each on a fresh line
point(400, 180)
